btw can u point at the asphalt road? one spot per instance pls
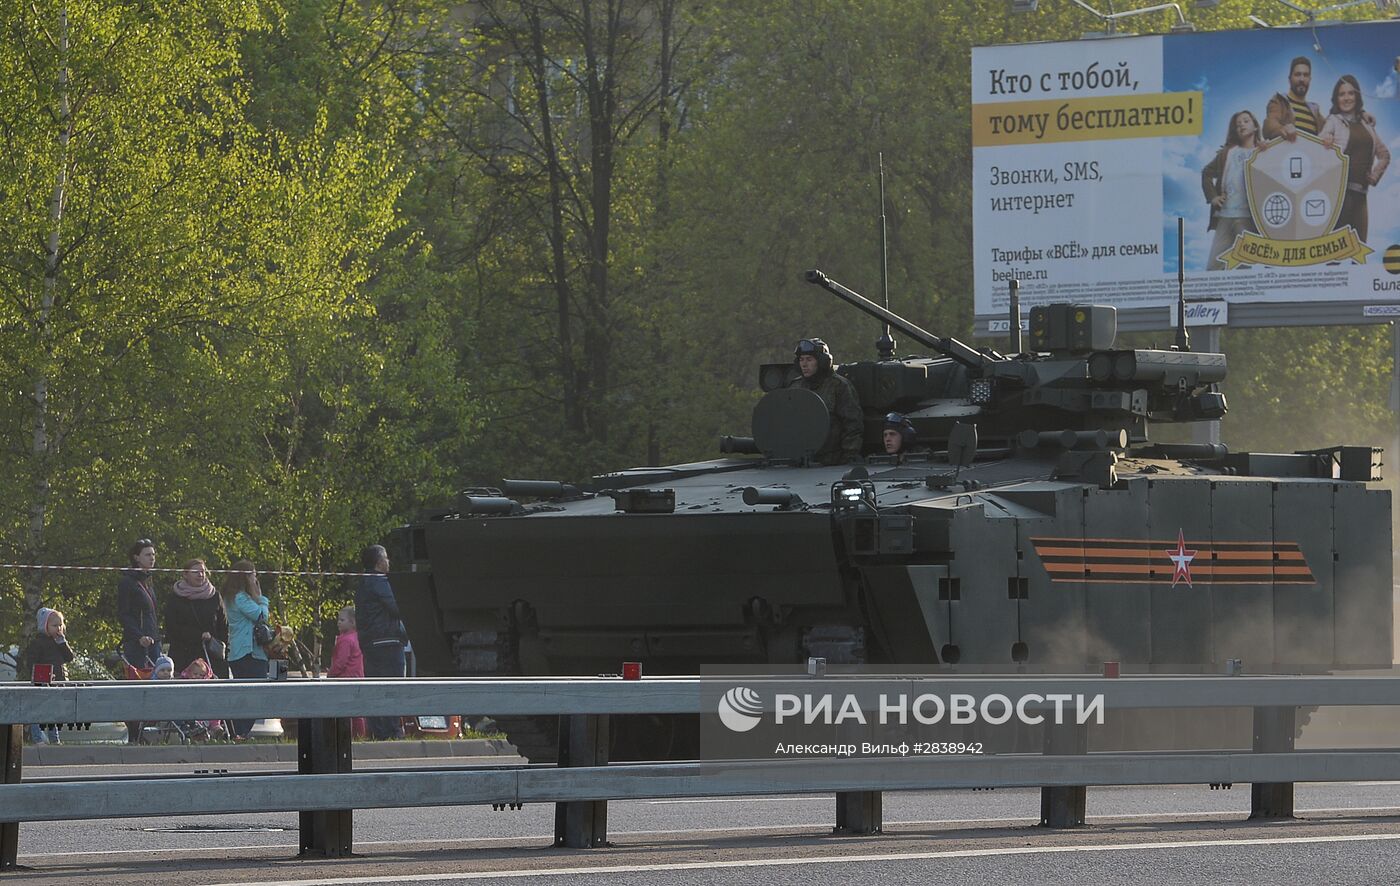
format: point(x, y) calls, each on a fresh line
point(1347, 833)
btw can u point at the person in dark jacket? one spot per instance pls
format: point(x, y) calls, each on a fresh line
point(381, 631)
point(136, 606)
point(49, 648)
point(817, 373)
point(196, 622)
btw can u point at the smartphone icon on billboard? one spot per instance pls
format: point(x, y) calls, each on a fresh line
point(1295, 167)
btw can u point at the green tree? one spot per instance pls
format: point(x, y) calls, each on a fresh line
point(164, 261)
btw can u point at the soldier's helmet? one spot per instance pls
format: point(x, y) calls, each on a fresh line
point(814, 347)
point(897, 422)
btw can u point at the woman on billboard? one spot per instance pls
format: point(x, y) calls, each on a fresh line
point(1353, 131)
point(1223, 183)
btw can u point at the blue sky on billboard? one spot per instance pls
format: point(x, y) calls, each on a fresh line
point(1239, 70)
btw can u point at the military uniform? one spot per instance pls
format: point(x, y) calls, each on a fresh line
point(843, 436)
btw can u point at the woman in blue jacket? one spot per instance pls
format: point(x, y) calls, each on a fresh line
point(245, 602)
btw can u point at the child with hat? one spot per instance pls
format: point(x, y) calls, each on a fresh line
point(49, 649)
point(164, 669)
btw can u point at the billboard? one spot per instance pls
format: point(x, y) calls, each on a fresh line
point(1272, 144)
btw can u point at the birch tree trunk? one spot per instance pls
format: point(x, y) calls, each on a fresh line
point(43, 443)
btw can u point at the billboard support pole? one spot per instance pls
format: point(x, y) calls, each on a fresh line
point(1393, 456)
point(1207, 431)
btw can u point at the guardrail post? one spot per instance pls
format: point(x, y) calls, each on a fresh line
point(583, 741)
point(1063, 807)
point(859, 813)
point(1273, 733)
point(323, 747)
point(12, 758)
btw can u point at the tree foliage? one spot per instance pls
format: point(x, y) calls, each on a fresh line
point(210, 338)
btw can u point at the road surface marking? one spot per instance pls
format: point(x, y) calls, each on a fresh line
point(826, 859)
point(826, 799)
point(1206, 815)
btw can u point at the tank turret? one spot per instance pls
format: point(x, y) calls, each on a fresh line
point(1071, 379)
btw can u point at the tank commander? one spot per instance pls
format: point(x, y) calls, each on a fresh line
point(898, 436)
point(843, 436)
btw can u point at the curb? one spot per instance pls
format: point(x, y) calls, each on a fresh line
point(272, 752)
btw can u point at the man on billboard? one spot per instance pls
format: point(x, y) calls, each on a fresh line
point(1291, 113)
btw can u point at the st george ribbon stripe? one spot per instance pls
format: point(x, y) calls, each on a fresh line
point(1049, 552)
point(1153, 561)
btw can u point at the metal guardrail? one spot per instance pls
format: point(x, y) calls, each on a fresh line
point(176, 699)
point(325, 788)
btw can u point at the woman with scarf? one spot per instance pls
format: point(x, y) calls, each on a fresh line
point(196, 622)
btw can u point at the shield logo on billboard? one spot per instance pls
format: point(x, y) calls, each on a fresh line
point(1295, 188)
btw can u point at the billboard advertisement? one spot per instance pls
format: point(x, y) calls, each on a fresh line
point(1274, 146)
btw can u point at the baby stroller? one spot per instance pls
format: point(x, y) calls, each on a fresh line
point(164, 731)
point(201, 730)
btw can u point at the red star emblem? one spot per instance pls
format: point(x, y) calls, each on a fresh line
point(1181, 560)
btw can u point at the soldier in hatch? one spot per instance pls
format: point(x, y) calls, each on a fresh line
point(843, 436)
point(898, 437)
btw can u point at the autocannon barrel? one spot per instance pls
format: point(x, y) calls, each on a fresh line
point(949, 347)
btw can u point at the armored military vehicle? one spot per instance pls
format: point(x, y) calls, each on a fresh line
point(1040, 529)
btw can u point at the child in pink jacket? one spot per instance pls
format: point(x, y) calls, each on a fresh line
point(202, 729)
point(346, 659)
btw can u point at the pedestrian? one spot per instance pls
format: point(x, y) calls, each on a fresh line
point(381, 632)
point(196, 623)
point(49, 648)
point(346, 660)
point(136, 606)
point(246, 605)
point(136, 611)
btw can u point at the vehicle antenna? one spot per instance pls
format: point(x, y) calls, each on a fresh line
point(1014, 309)
point(885, 344)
